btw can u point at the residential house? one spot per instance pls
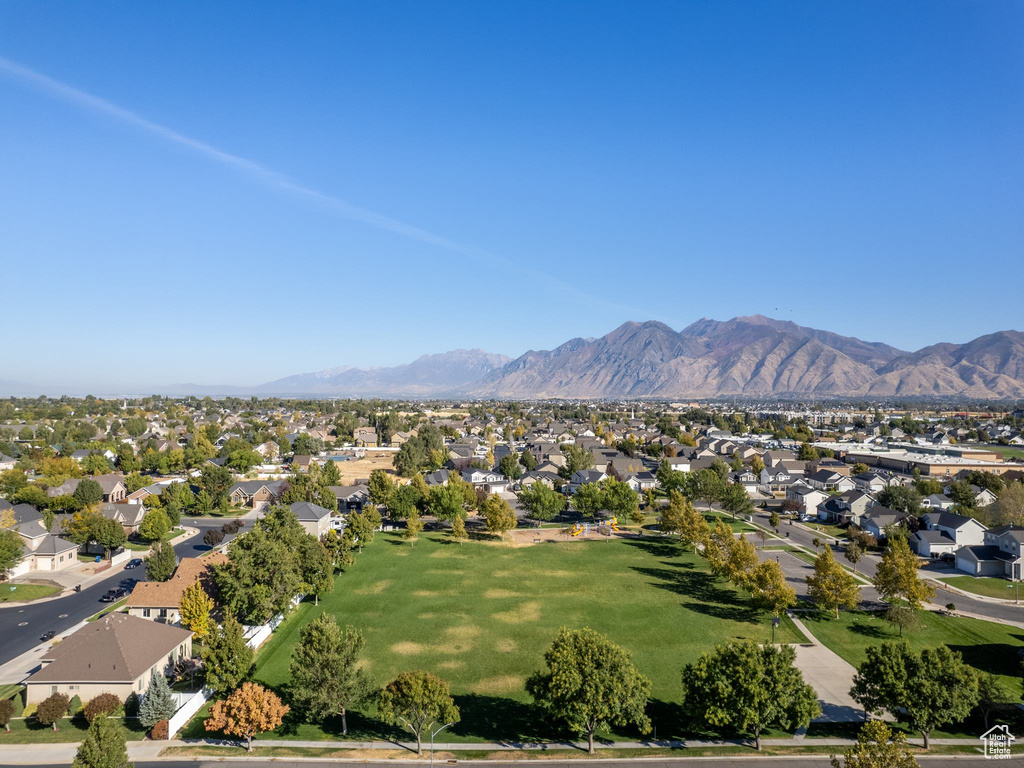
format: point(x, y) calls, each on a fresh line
point(365, 437)
point(944, 532)
point(829, 481)
point(160, 600)
point(878, 518)
point(253, 493)
point(870, 482)
point(351, 498)
point(807, 497)
point(999, 555)
point(42, 550)
point(491, 482)
point(116, 654)
point(315, 520)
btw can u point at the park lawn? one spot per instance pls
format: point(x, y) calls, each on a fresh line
point(482, 614)
point(142, 546)
point(737, 525)
point(983, 585)
point(1007, 451)
point(985, 645)
point(69, 729)
point(20, 593)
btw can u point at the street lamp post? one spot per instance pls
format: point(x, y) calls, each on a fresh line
point(432, 735)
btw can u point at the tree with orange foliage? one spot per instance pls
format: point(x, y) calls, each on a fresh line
point(250, 709)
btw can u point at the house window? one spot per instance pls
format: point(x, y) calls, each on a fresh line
point(163, 613)
point(53, 689)
point(145, 613)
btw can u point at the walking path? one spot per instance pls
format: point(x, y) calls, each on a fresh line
point(830, 676)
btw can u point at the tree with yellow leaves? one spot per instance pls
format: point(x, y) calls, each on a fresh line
point(195, 608)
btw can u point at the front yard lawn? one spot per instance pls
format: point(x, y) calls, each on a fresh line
point(69, 729)
point(20, 593)
point(142, 546)
point(983, 585)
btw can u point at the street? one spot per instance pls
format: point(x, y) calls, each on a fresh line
point(868, 563)
point(20, 627)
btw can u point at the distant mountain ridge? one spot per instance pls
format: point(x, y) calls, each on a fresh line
point(447, 373)
point(758, 356)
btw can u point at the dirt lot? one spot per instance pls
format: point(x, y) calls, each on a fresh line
point(360, 469)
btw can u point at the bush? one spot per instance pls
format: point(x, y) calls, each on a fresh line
point(104, 704)
point(75, 706)
point(29, 710)
point(161, 731)
point(19, 703)
point(6, 713)
point(213, 537)
point(52, 709)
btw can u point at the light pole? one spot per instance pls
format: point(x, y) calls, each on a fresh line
point(432, 735)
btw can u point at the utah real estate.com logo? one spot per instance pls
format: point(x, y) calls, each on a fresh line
point(997, 742)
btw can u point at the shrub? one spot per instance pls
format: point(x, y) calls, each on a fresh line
point(161, 731)
point(213, 537)
point(19, 703)
point(75, 706)
point(29, 710)
point(6, 713)
point(104, 704)
point(131, 705)
point(52, 709)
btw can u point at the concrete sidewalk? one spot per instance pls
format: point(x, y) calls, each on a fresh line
point(830, 676)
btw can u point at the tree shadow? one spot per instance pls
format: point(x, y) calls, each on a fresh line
point(874, 631)
point(498, 719)
point(709, 596)
point(995, 658)
point(657, 547)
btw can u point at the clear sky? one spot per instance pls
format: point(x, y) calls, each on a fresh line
point(234, 192)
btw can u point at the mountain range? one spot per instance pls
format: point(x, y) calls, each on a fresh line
point(754, 356)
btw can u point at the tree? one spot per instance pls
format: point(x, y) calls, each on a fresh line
point(105, 746)
point(588, 499)
point(458, 531)
point(195, 608)
point(52, 709)
point(362, 528)
point(693, 526)
point(831, 587)
point(158, 703)
point(262, 574)
point(213, 537)
point(154, 525)
point(528, 460)
point(807, 452)
point(510, 467)
point(736, 501)
point(316, 568)
point(774, 520)
point(381, 487)
point(577, 458)
point(928, 689)
point(88, 492)
point(325, 675)
point(963, 495)
point(670, 519)
point(227, 658)
point(896, 576)
point(6, 713)
point(413, 526)
point(161, 562)
point(446, 502)
point(741, 560)
point(405, 501)
point(109, 534)
point(500, 516)
point(543, 503)
point(853, 554)
point(902, 616)
point(902, 498)
point(878, 747)
point(11, 548)
point(768, 587)
point(716, 548)
point(249, 710)
point(992, 696)
point(417, 700)
point(706, 485)
point(590, 683)
point(748, 687)
point(621, 500)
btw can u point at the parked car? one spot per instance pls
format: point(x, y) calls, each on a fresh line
point(113, 595)
point(47, 635)
point(135, 562)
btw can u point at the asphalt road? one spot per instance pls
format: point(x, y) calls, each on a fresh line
point(868, 564)
point(20, 628)
point(725, 761)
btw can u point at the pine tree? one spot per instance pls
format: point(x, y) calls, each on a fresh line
point(158, 704)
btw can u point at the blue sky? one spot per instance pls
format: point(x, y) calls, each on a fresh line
point(234, 192)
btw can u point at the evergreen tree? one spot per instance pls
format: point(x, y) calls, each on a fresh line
point(157, 704)
point(105, 746)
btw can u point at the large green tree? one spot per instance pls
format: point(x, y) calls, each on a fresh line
point(326, 678)
point(750, 688)
point(590, 683)
point(417, 701)
point(832, 587)
point(262, 574)
point(105, 746)
point(161, 562)
point(227, 658)
point(544, 503)
point(896, 575)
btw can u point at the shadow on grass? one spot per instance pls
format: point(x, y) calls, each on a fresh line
point(709, 596)
point(657, 547)
point(995, 658)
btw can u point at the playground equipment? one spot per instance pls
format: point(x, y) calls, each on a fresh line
point(606, 527)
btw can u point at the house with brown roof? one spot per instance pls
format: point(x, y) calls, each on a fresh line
point(115, 654)
point(159, 600)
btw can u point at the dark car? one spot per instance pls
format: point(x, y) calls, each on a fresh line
point(47, 635)
point(113, 595)
point(135, 562)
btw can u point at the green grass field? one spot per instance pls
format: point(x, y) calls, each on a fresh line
point(69, 729)
point(1008, 452)
point(18, 593)
point(142, 546)
point(985, 645)
point(481, 615)
point(988, 586)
